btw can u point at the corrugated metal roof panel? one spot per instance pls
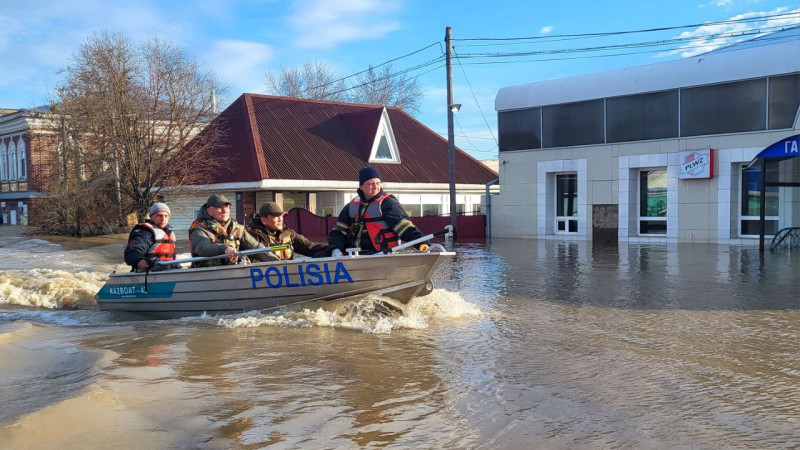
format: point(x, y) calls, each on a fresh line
point(302, 139)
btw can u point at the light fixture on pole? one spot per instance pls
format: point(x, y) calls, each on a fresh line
point(455, 107)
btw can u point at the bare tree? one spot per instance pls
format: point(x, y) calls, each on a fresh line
point(313, 80)
point(134, 108)
point(384, 87)
point(316, 80)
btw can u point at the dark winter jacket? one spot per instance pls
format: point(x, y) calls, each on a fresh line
point(343, 235)
point(139, 241)
point(207, 237)
point(298, 244)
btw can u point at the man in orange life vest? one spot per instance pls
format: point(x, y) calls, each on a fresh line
point(151, 240)
point(373, 221)
point(267, 226)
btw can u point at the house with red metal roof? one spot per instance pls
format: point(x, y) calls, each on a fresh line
point(307, 153)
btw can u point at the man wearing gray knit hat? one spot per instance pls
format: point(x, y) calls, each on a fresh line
point(150, 241)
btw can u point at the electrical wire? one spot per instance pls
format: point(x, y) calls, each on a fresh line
point(474, 97)
point(646, 30)
point(371, 67)
point(660, 43)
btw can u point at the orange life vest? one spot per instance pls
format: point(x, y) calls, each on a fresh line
point(379, 232)
point(232, 237)
point(164, 246)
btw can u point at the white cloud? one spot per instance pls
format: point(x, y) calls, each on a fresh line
point(328, 23)
point(242, 64)
point(723, 2)
point(546, 29)
point(707, 37)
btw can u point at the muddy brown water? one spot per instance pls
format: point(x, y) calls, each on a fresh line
point(523, 344)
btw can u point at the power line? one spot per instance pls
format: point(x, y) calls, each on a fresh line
point(394, 74)
point(593, 56)
point(646, 30)
point(371, 68)
point(645, 44)
point(474, 97)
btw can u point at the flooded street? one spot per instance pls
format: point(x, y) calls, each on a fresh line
point(523, 344)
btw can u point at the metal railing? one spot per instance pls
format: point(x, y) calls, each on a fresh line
point(787, 237)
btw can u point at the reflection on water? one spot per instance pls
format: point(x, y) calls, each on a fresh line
point(524, 343)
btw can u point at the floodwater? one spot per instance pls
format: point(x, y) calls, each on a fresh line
point(523, 344)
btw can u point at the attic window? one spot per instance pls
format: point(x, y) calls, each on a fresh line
point(384, 147)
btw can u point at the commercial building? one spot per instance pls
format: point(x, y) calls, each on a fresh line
point(655, 153)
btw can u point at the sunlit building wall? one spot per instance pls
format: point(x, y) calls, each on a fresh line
point(600, 156)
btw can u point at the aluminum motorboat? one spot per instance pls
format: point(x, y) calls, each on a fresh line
point(266, 286)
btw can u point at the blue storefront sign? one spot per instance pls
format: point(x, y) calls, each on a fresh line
point(782, 149)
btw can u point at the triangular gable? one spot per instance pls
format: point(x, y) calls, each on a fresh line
point(384, 145)
point(372, 133)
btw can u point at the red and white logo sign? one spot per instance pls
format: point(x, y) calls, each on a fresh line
point(697, 164)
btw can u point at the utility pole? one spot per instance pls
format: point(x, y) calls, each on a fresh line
point(451, 147)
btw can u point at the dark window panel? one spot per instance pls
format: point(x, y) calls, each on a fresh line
point(784, 99)
point(519, 130)
point(642, 117)
point(573, 124)
point(724, 108)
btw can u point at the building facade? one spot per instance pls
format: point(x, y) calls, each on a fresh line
point(307, 153)
point(655, 153)
point(25, 152)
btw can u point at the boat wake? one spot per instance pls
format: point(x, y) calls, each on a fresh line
point(371, 314)
point(53, 289)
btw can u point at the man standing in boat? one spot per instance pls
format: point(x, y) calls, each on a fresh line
point(151, 241)
point(374, 221)
point(267, 226)
point(215, 233)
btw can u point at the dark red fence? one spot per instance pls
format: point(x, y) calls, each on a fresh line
point(305, 222)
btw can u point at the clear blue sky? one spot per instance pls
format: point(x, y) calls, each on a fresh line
point(240, 40)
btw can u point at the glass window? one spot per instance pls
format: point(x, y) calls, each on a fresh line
point(413, 210)
point(520, 130)
point(23, 169)
point(431, 210)
point(784, 99)
point(653, 201)
point(642, 117)
point(573, 124)
point(567, 203)
point(295, 200)
point(383, 151)
point(12, 161)
point(3, 162)
point(750, 207)
point(724, 108)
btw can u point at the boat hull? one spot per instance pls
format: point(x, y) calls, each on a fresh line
point(268, 286)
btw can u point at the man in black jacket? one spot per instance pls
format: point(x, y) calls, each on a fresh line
point(267, 226)
point(151, 241)
point(374, 221)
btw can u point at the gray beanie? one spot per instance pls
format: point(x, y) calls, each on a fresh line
point(159, 207)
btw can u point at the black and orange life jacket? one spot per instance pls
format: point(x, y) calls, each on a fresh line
point(380, 234)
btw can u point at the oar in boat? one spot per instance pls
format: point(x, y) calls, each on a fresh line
point(448, 229)
point(274, 248)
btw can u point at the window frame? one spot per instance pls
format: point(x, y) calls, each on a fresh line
point(568, 221)
point(640, 217)
point(742, 217)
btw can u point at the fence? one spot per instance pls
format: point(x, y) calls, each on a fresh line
point(312, 225)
